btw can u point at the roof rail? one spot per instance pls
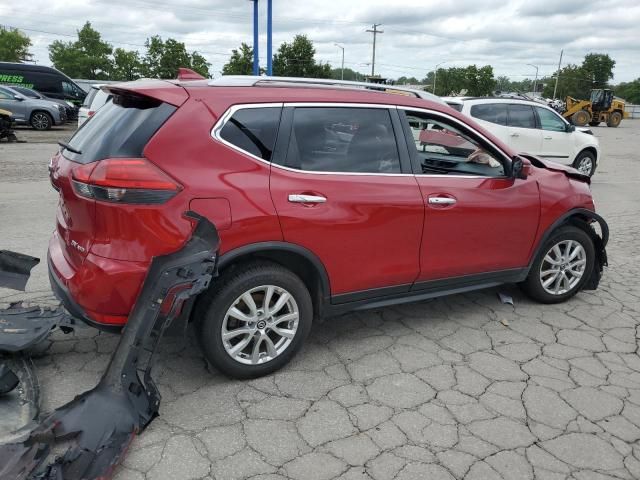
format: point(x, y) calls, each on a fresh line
point(252, 81)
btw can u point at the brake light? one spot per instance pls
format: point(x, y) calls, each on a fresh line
point(90, 113)
point(124, 180)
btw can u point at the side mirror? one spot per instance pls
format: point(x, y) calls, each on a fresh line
point(20, 98)
point(571, 128)
point(520, 168)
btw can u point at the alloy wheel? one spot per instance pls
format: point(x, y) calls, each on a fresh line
point(40, 121)
point(585, 165)
point(562, 267)
point(260, 325)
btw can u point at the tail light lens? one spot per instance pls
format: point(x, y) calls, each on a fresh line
point(124, 180)
point(90, 113)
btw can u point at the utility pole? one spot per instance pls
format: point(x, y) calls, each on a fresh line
point(555, 89)
point(535, 82)
point(269, 37)
point(375, 32)
point(256, 58)
point(342, 67)
point(435, 76)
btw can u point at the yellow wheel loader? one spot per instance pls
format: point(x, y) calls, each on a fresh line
point(602, 107)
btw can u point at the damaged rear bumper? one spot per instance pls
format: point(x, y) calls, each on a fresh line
point(101, 423)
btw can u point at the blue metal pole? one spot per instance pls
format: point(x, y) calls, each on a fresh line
point(256, 58)
point(269, 35)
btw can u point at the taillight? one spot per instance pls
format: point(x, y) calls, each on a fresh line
point(124, 180)
point(90, 113)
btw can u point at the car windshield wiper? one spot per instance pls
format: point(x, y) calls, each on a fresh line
point(66, 146)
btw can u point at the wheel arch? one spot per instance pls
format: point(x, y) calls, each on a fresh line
point(581, 218)
point(296, 258)
point(590, 149)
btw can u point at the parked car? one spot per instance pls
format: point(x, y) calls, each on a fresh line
point(46, 80)
point(325, 203)
point(70, 108)
point(40, 114)
point(95, 99)
point(531, 127)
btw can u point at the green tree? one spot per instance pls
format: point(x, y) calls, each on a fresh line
point(14, 45)
point(164, 58)
point(87, 57)
point(297, 59)
point(573, 82)
point(240, 62)
point(127, 65)
point(630, 91)
point(598, 67)
point(471, 80)
point(349, 74)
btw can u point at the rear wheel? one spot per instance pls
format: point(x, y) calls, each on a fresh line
point(614, 119)
point(581, 118)
point(585, 163)
point(562, 267)
point(41, 121)
point(255, 320)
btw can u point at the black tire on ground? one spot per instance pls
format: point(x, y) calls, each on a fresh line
point(533, 287)
point(594, 124)
point(614, 119)
point(211, 310)
point(41, 121)
point(585, 162)
point(581, 118)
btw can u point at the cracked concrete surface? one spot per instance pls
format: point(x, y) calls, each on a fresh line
point(462, 387)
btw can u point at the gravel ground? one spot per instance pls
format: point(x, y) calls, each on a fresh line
point(459, 387)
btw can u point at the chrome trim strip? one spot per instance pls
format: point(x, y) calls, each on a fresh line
point(215, 134)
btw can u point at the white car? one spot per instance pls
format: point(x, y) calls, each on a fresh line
point(92, 102)
point(533, 128)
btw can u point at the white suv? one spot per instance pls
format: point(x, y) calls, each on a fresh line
point(533, 128)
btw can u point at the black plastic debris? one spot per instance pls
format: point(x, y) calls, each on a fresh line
point(102, 422)
point(15, 269)
point(8, 380)
point(19, 398)
point(23, 327)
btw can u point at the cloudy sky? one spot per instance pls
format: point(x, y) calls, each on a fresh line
point(417, 34)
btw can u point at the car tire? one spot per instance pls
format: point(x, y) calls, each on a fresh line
point(263, 328)
point(585, 163)
point(555, 276)
point(614, 119)
point(41, 121)
point(581, 118)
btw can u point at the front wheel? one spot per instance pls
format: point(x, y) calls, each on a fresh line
point(254, 320)
point(585, 163)
point(41, 121)
point(614, 119)
point(562, 267)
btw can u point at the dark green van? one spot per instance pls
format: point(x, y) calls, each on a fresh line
point(46, 80)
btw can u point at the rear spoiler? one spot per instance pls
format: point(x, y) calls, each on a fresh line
point(162, 90)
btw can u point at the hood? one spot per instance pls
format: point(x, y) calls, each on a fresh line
point(586, 130)
point(556, 167)
point(43, 104)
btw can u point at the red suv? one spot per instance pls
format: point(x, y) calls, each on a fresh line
point(328, 198)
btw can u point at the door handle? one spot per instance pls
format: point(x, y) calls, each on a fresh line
point(547, 138)
point(300, 198)
point(442, 201)
point(515, 134)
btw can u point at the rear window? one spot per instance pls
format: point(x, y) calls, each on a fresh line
point(490, 112)
point(253, 130)
point(521, 116)
point(121, 128)
point(87, 100)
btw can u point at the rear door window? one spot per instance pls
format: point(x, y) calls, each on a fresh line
point(490, 112)
point(521, 116)
point(343, 139)
point(253, 130)
point(121, 128)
